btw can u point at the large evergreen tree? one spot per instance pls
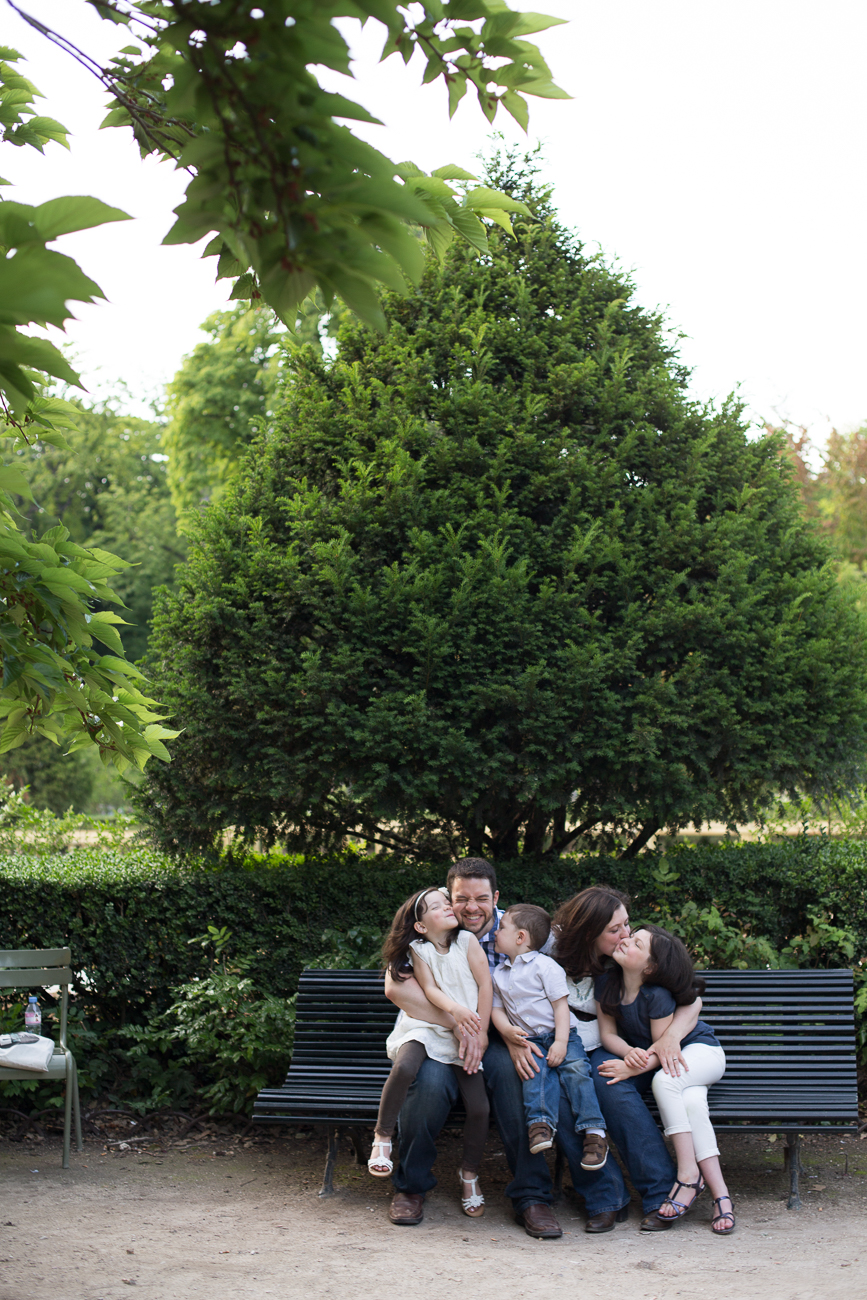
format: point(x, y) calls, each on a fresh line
point(494, 580)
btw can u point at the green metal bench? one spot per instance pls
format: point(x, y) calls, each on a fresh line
point(45, 968)
point(789, 1038)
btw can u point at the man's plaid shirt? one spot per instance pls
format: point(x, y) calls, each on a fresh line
point(495, 958)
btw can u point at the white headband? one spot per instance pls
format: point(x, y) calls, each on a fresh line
point(433, 890)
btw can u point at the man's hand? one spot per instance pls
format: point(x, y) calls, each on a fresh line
point(557, 1053)
point(667, 1048)
point(471, 1050)
point(637, 1058)
point(616, 1070)
point(522, 1058)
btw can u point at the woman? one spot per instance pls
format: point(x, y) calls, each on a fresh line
point(588, 928)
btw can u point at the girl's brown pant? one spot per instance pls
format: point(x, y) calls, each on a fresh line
point(406, 1066)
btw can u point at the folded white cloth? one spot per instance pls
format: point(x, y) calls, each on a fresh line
point(33, 1055)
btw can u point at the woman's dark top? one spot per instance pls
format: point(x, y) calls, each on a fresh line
point(653, 1003)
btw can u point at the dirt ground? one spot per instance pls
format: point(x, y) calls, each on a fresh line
point(225, 1217)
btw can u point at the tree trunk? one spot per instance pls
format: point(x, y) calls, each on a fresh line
point(506, 844)
point(534, 833)
point(646, 833)
point(475, 840)
point(561, 845)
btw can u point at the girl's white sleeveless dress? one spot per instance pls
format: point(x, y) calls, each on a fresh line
point(452, 974)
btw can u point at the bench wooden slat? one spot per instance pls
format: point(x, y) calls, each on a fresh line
point(30, 958)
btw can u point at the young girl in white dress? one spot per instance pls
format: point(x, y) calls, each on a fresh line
point(453, 972)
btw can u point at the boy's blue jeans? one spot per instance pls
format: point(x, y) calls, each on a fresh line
point(542, 1092)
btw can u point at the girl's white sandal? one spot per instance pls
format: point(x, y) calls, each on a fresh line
point(380, 1165)
point(473, 1205)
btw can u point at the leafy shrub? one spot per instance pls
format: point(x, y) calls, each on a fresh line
point(224, 1032)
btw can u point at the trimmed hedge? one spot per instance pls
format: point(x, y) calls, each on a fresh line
point(130, 918)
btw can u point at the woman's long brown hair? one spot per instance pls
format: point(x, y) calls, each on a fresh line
point(395, 949)
point(577, 925)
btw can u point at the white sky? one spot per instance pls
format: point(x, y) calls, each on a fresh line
point(717, 150)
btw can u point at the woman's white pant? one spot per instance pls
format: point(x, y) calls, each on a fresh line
point(682, 1099)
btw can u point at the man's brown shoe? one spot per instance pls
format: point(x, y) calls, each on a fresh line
point(605, 1220)
point(538, 1221)
point(407, 1209)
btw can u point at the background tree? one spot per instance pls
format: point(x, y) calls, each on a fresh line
point(221, 398)
point(110, 487)
point(218, 401)
point(58, 682)
point(833, 484)
point(493, 579)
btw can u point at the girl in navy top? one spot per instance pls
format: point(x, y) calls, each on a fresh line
point(636, 1001)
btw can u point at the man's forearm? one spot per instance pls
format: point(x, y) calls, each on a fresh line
point(408, 995)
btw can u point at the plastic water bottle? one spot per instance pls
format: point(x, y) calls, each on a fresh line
point(32, 1016)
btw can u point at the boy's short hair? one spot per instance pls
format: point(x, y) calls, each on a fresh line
point(535, 920)
point(472, 869)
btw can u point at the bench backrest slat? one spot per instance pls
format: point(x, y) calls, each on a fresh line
point(789, 1038)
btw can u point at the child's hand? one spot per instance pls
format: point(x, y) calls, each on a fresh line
point(556, 1053)
point(616, 1070)
point(468, 1020)
point(636, 1057)
point(517, 1037)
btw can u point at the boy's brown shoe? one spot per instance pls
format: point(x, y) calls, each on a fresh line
point(541, 1137)
point(595, 1152)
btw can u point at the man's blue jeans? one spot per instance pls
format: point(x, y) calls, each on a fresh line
point(633, 1130)
point(426, 1109)
point(572, 1076)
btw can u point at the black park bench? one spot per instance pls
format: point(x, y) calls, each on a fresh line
point(789, 1039)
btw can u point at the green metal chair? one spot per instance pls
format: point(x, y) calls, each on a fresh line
point(43, 968)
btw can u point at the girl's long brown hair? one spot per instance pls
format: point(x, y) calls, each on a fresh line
point(395, 949)
point(670, 967)
point(577, 925)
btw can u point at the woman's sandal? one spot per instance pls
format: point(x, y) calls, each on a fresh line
point(657, 1222)
point(723, 1214)
point(474, 1204)
point(380, 1165)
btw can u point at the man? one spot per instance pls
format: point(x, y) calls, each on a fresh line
point(472, 884)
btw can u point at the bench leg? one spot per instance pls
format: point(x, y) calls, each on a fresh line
point(76, 1109)
point(358, 1144)
point(327, 1188)
point(559, 1166)
point(67, 1110)
point(792, 1158)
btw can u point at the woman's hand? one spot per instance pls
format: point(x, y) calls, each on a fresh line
point(637, 1058)
point(667, 1048)
point(615, 1071)
point(522, 1054)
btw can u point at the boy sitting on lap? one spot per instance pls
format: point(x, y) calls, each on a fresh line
point(530, 1006)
